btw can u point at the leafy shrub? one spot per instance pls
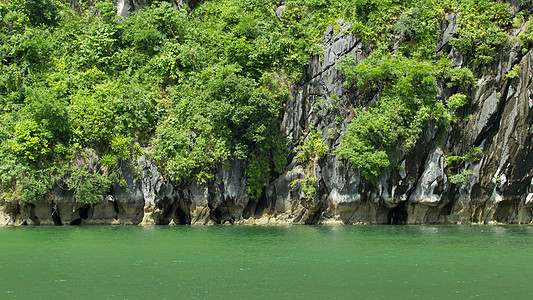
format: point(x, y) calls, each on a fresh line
point(470, 155)
point(458, 179)
point(232, 116)
point(407, 104)
point(513, 73)
point(29, 140)
point(111, 108)
point(310, 150)
point(86, 180)
point(456, 163)
point(526, 36)
point(481, 30)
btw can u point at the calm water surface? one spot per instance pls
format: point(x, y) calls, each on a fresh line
point(298, 262)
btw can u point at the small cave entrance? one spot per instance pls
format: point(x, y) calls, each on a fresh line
point(116, 209)
point(76, 222)
point(398, 215)
point(217, 215)
point(56, 217)
point(83, 212)
point(222, 214)
point(114, 201)
point(447, 209)
point(256, 207)
point(263, 204)
point(33, 216)
point(503, 212)
point(182, 217)
point(167, 212)
point(163, 221)
point(249, 209)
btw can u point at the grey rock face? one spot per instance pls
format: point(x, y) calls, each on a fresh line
point(126, 7)
point(419, 190)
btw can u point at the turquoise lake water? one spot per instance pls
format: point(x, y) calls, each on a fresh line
point(296, 262)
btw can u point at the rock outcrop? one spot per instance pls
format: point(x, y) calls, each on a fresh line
point(126, 7)
point(497, 188)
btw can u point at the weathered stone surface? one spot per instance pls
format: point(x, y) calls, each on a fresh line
point(126, 7)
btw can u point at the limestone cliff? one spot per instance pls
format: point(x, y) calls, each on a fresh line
point(497, 188)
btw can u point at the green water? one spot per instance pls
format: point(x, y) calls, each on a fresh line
point(298, 262)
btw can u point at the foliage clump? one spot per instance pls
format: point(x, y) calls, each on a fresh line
point(310, 150)
point(458, 173)
point(197, 87)
point(482, 30)
point(408, 102)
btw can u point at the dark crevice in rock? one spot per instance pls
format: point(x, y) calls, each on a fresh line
point(84, 211)
point(182, 217)
point(398, 215)
point(272, 199)
point(225, 212)
point(167, 212)
point(33, 217)
point(250, 209)
point(263, 205)
point(503, 211)
point(477, 191)
point(447, 208)
point(326, 68)
point(216, 216)
point(316, 213)
point(115, 208)
point(478, 212)
point(421, 168)
point(56, 217)
point(76, 221)
point(322, 205)
point(349, 219)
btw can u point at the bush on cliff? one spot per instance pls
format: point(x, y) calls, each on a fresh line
point(407, 103)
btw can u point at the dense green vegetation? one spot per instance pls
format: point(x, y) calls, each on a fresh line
point(83, 91)
point(406, 81)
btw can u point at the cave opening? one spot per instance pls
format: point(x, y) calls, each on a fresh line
point(398, 215)
point(56, 217)
point(115, 208)
point(33, 216)
point(76, 221)
point(182, 216)
point(503, 211)
point(83, 212)
point(217, 215)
